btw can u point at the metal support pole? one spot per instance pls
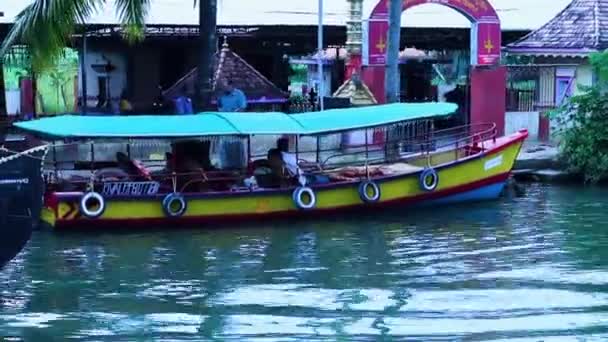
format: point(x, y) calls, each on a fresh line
point(386, 142)
point(366, 155)
point(298, 158)
point(55, 159)
point(297, 148)
point(92, 162)
point(249, 155)
point(320, 56)
point(318, 149)
point(83, 73)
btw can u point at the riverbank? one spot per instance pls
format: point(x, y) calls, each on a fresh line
point(538, 162)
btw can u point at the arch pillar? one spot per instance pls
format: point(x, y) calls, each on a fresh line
point(486, 72)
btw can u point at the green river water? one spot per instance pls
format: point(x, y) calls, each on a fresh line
point(528, 268)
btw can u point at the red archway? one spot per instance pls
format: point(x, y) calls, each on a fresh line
point(487, 77)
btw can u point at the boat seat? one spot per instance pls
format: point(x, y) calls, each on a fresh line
point(374, 171)
point(400, 168)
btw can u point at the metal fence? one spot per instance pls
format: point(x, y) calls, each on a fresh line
point(532, 87)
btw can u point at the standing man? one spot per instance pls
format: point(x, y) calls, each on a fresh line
point(231, 99)
point(183, 103)
point(232, 153)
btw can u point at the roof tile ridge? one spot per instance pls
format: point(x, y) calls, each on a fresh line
point(544, 26)
point(256, 72)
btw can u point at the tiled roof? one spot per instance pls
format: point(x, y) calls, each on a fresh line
point(355, 90)
point(578, 29)
point(230, 66)
point(514, 14)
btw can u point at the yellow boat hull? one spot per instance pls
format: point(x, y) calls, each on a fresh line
point(476, 177)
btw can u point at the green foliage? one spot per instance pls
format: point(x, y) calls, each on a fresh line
point(298, 73)
point(455, 73)
point(511, 59)
point(583, 126)
point(54, 86)
point(298, 99)
point(16, 65)
point(46, 27)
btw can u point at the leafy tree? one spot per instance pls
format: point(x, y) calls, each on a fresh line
point(582, 122)
point(46, 28)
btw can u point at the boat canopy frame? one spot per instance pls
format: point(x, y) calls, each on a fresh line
point(420, 145)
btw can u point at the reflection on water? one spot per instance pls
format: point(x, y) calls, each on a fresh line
point(521, 269)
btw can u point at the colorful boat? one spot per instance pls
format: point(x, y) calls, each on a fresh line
point(122, 171)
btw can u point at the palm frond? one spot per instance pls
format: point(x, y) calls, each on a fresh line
point(132, 14)
point(46, 26)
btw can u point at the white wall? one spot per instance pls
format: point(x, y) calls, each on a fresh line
point(13, 102)
point(514, 121)
point(118, 77)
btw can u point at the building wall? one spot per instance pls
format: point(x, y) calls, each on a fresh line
point(138, 70)
point(584, 77)
point(146, 75)
point(117, 78)
point(581, 75)
point(546, 86)
point(13, 102)
point(514, 121)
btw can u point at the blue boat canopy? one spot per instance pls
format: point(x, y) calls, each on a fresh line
point(214, 123)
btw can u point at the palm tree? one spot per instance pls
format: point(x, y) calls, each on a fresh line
point(208, 41)
point(46, 27)
point(392, 77)
point(2, 90)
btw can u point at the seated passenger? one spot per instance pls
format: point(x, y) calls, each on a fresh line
point(191, 155)
point(277, 177)
point(133, 168)
point(291, 164)
point(290, 160)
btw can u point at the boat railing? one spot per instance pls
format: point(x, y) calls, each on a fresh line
point(169, 181)
point(470, 137)
point(419, 150)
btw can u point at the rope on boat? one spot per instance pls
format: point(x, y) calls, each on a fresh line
point(16, 155)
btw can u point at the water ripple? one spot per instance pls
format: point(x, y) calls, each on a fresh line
point(522, 269)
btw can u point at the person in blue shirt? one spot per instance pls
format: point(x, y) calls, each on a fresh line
point(231, 99)
point(183, 103)
point(232, 153)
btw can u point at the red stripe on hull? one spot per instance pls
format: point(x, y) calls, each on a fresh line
point(222, 219)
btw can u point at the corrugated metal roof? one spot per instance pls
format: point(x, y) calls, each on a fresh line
point(579, 29)
point(515, 14)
